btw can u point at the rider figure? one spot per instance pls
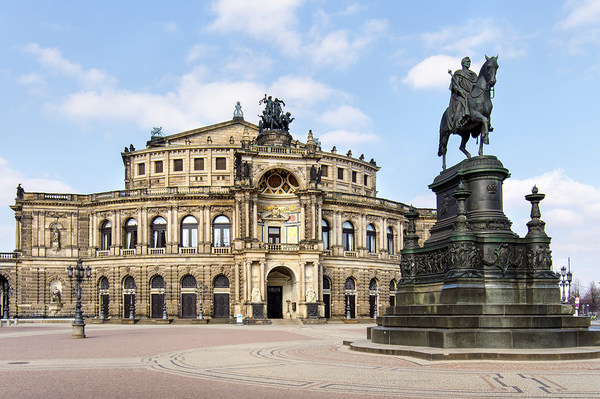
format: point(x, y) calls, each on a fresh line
point(461, 85)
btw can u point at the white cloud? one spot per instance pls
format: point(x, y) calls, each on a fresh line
point(347, 137)
point(345, 116)
point(570, 211)
point(53, 59)
point(269, 20)
point(341, 48)
point(582, 13)
point(432, 72)
point(200, 51)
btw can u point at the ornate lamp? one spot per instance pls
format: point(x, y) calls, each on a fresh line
point(79, 273)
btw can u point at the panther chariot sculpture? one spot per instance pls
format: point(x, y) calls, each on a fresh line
point(470, 106)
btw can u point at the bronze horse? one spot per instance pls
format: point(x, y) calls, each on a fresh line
point(480, 106)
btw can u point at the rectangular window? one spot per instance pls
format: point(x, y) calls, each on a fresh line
point(141, 169)
point(340, 173)
point(178, 165)
point(158, 167)
point(274, 235)
point(198, 163)
point(354, 175)
point(220, 163)
point(366, 180)
point(324, 171)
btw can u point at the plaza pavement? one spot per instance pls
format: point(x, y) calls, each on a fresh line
point(276, 361)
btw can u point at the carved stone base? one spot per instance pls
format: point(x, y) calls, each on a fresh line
point(78, 331)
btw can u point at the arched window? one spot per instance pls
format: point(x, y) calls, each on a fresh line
point(157, 282)
point(221, 281)
point(349, 285)
point(325, 234)
point(326, 283)
point(188, 281)
point(390, 240)
point(129, 283)
point(106, 235)
point(189, 232)
point(348, 236)
point(371, 238)
point(130, 234)
point(103, 284)
point(373, 285)
point(158, 230)
point(221, 230)
point(393, 293)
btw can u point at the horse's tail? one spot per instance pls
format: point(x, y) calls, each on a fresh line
point(444, 134)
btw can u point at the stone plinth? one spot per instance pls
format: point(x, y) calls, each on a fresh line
point(475, 283)
point(274, 137)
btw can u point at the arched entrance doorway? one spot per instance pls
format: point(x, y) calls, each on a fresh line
point(327, 296)
point(350, 298)
point(103, 297)
point(129, 289)
point(221, 297)
point(157, 296)
point(4, 294)
point(281, 293)
point(188, 297)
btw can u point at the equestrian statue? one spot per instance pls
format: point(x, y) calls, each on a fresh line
point(470, 106)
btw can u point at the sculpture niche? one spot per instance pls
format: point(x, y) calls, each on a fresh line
point(274, 124)
point(470, 106)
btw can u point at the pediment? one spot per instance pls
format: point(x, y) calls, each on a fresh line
point(220, 134)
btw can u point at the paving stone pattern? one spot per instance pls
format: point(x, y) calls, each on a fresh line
point(131, 361)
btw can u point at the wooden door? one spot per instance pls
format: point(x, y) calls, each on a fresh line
point(188, 306)
point(128, 304)
point(104, 301)
point(221, 306)
point(372, 305)
point(157, 305)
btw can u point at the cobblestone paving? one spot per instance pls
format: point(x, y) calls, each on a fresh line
point(251, 361)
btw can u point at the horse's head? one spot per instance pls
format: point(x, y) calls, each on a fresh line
point(488, 70)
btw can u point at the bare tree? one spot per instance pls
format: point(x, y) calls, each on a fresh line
point(591, 297)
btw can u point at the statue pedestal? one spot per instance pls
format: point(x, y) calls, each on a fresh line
point(78, 331)
point(475, 283)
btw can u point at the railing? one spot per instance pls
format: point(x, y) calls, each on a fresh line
point(327, 252)
point(8, 255)
point(103, 252)
point(187, 250)
point(376, 255)
point(351, 254)
point(127, 252)
point(63, 197)
point(281, 247)
point(394, 257)
point(221, 250)
point(156, 251)
point(278, 150)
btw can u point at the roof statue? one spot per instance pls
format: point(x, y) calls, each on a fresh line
point(273, 117)
point(470, 106)
point(156, 132)
point(238, 113)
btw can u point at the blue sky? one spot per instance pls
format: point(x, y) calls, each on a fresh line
point(83, 79)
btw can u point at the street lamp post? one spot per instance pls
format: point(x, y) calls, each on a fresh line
point(563, 282)
point(348, 313)
point(79, 273)
point(164, 315)
point(7, 292)
point(200, 310)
